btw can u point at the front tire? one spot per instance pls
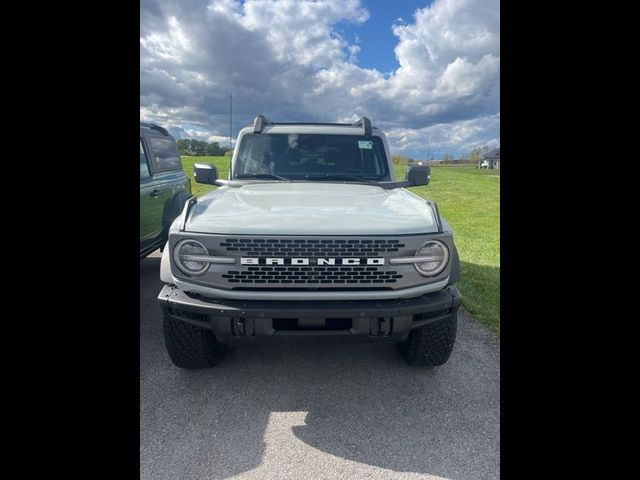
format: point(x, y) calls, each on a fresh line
point(189, 346)
point(431, 345)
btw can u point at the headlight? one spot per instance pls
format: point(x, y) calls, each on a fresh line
point(436, 256)
point(185, 249)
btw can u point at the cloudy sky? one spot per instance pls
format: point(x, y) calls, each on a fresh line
point(426, 72)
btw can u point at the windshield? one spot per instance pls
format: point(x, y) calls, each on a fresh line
point(311, 157)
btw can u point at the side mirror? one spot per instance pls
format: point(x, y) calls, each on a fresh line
point(418, 175)
point(205, 173)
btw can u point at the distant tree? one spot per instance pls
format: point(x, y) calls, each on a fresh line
point(475, 155)
point(228, 152)
point(199, 148)
point(213, 149)
point(184, 147)
point(398, 159)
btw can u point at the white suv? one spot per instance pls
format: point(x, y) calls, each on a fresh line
point(310, 235)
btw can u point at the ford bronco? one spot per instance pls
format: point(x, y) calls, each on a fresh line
point(164, 186)
point(310, 235)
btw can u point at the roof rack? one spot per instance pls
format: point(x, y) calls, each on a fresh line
point(365, 123)
point(155, 127)
point(261, 121)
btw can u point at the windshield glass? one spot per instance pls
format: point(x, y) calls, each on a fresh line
point(311, 156)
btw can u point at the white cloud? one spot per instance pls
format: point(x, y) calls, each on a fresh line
point(171, 46)
point(287, 60)
point(443, 138)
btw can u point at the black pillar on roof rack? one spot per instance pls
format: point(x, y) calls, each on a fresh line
point(365, 123)
point(259, 123)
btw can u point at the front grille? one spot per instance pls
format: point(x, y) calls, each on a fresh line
point(318, 263)
point(310, 247)
point(284, 274)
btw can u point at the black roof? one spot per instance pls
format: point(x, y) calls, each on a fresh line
point(493, 154)
point(154, 129)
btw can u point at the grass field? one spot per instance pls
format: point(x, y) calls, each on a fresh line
point(470, 201)
point(221, 163)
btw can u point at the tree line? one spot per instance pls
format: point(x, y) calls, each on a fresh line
point(200, 148)
point(476, 153)
point(474, 156)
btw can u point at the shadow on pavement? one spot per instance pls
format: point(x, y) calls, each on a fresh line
point(358, 401)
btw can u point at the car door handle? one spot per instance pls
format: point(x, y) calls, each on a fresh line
point(155, 192)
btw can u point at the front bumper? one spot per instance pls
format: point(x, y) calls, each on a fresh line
point(243, 319)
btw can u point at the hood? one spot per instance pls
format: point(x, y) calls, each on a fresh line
point(310, 209)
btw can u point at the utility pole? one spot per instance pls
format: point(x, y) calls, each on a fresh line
point(230, 130)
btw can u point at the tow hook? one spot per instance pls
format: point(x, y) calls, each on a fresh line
point(384, 326)
point(239, 327)
point(243, 327)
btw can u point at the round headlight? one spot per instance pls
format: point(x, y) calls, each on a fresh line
point(186, 249)
point(435, 255)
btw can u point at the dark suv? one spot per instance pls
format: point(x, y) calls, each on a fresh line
point(164, 187)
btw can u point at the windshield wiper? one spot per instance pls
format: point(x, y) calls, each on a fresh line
point(338, 176)
point(264, 175)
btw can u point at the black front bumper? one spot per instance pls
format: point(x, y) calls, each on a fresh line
point(236, 319)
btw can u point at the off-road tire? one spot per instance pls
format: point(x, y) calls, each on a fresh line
point(189, 346)
point(431, 345)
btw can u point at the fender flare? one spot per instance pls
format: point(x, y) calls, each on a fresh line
point(455, 265)
point(165, 266)
point(174, 208)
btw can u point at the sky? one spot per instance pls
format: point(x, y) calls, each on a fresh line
point(425, 72)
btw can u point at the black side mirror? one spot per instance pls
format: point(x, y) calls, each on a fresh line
point(418, 175)
point(205, 173)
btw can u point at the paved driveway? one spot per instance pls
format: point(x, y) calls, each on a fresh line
point(317, 410)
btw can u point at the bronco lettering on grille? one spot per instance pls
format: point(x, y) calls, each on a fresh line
point(310, 261)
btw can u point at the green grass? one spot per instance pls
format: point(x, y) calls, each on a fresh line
point(470, 201)
point(221, 163)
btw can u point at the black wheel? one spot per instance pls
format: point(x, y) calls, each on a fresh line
point(189, 346)
point(432, 344)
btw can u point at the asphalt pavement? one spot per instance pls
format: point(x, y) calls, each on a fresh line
point(309, 409)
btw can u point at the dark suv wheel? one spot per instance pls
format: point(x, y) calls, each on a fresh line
point(190, 346)
point(431, 345)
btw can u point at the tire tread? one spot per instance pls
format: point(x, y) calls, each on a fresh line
point(431, 345)
point(189, 346)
